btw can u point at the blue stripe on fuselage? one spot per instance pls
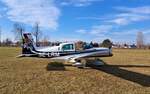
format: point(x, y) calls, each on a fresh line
point(65, 53)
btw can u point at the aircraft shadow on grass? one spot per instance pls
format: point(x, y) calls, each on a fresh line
point(135, 77)
point(115, 70)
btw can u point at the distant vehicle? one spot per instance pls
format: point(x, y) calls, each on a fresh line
point(65, 51)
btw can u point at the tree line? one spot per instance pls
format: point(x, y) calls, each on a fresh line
point(19, 29)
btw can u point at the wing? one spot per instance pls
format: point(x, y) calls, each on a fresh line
point(72, 58)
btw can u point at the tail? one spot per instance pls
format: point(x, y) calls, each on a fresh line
point(28, 44)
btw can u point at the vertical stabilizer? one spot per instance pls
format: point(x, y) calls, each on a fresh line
point(28, 44)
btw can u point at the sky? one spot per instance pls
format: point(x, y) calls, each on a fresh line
point(73, 20)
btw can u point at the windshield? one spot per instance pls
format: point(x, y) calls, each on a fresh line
point(68, 47)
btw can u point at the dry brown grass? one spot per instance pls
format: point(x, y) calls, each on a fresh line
point(127, 72)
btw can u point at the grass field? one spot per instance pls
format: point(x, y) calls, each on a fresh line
point(127, 72)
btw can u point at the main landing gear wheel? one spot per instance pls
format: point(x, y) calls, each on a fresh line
point(80, 64)
point(83, 64)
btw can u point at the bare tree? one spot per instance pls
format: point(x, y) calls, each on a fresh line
point(140, 41)
point(37, 33)
point(18, 31)
point(8, 42)
point(79, 45)
point(45, 41)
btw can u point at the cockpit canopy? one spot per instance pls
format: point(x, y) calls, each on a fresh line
point(67, 46)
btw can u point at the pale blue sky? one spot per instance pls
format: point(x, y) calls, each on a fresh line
point(87, 20)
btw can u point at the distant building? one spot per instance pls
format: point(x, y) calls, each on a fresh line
point(132, 46)
point(125, 46)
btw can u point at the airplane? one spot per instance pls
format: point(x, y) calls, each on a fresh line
point(63, 52)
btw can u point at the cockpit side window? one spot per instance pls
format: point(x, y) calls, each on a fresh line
point(67, 47)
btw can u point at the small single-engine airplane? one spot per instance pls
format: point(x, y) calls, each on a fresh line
point(65, 51)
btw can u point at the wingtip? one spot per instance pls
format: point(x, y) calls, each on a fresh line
point(20, 56)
